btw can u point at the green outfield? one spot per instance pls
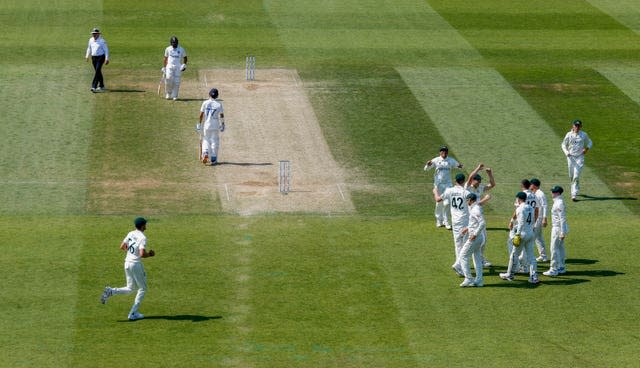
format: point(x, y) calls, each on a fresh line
point(390, 81)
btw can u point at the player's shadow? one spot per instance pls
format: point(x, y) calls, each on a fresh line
point(580, 261)
point(584, 197)
point(122, 90)
point(190, 99)
point(243, 163)
point(506, 229)
point(182, 317)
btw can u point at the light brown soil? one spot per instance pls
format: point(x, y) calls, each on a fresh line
point(268, 120)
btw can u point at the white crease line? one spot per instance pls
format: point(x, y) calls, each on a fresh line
point(226, 189)
point(341, 193)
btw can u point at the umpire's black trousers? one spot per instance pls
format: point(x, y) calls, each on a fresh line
point(98, 62)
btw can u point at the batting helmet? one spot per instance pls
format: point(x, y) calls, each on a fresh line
point(173, 41)
point(213, 93)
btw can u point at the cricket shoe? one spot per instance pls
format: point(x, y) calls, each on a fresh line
point(447, 226)
point(506, 276)
point(478, 283)
point(562, 270)
point(523, 269)
point(439, 224)
point(486, 263)
point(205, 158)
point(550, 273)
point(533, 279)
point(468, 283)
point(214, 160)
point(135, 316)
point(106, 294)
point(542, 259)
point(456, 268)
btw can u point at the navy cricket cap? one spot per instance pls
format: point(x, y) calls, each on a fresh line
point(521, 196)
point(557, 189)
point(535, 182)
point(459, 178)
point(139, 221)
point(472, 197)
point(477, 177)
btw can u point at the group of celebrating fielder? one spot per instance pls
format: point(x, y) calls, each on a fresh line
point(464, 201)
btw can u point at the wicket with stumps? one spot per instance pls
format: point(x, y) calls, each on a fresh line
point(250, 67)
point(284, 177)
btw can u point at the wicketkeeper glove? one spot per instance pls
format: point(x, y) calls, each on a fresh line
point(183, 67)
point(516, 240)
point(222, 127)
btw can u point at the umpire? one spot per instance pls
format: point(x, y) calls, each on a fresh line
point(99, 52)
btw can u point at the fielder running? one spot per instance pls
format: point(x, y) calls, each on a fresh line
point(456, 196)
point(575, 145)
point(135, 245)
point(472, 247)
point(441, 181)
point(175, 62)
point(559, 229)
point(212, 113)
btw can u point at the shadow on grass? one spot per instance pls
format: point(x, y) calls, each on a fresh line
point(179, 317)
point(127, 90)
point(584, 197)
point(523, 283)
point(580, 261)
point(505, 229)
point(191, 99)
point(244, 163)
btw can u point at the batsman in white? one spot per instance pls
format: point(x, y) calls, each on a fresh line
point(575, 145)
point(135, 245)
point(212, 113)
point(524, 230)
point(559, 229)
point(474, 185)
point(472, 247)
point(175, 62)
point(456, 196)
point(541, 220)
point(441, 181)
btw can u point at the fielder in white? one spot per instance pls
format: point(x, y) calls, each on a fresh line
point(472, 247)
point(212, 113)
point(524, 230)
point(559, 229)
point(456, 196)
point(175, 62)
point(135, 245)
point(441, 181)
point(575, 145)
point(474, 185)
point(541, 220)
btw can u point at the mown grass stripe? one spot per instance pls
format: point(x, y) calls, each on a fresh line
point(626, 78)
point(484, 119)
point(624, 11)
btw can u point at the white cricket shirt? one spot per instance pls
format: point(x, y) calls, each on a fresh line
point(135, 241)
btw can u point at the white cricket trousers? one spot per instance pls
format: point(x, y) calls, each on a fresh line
point(575, 164)
point(211, 142)
point(172, 82)
point(442, 209)
point(526, 247)
point(458, 242)
point(136, 279)
point(557, 250)
point(538, 237)
point(472, 249)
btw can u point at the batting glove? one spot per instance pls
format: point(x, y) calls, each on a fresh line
point(183, 67)
point(163, 69)
point(198, 127)
point(222, 127)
